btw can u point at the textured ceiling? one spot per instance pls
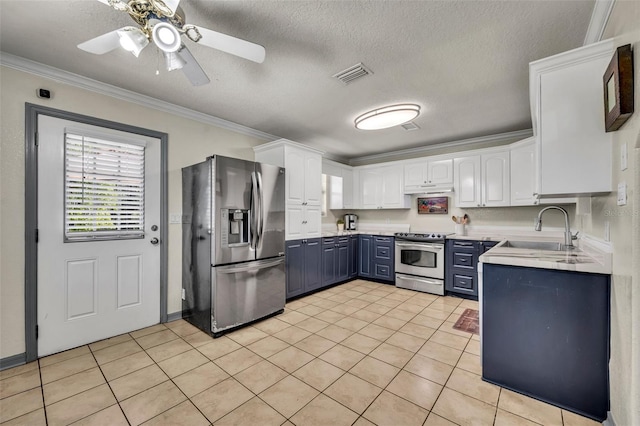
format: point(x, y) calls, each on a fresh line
point(464, 62)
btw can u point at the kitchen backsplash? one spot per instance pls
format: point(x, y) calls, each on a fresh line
point(494, 216)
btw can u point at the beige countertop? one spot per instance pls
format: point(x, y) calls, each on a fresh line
point(589, 256)
point(358, 232)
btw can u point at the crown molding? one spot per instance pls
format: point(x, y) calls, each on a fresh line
point(25, 65)
point(599, 18)
point(423, 151)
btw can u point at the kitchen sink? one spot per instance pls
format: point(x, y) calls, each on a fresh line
point(535, 245)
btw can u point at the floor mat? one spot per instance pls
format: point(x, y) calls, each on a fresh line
point(468, 321)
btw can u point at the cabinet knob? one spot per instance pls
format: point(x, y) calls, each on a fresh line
point(478, 205)
point(484, 205)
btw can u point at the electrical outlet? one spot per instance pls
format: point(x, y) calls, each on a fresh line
point(623, 157)
point(184, 294)
point(622, 194)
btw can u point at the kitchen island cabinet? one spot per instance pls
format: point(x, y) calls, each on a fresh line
point(545, 334)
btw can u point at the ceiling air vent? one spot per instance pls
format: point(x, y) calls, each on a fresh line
point(353, 73)
point(410, 126)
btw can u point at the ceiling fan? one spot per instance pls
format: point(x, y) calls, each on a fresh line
point(163, 23)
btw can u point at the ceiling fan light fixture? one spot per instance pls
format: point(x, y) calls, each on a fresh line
point(133, 40)
point(385, 117)
point(166, 37)
point(174, 61)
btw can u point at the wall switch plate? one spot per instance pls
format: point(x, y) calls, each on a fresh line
point(623, 157)
point(184, 294)
point(622, 194)
point(175, 218)
point(607, 231)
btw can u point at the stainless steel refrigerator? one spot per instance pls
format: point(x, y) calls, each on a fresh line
point(232, 243)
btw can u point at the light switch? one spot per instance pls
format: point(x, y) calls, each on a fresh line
point(623, 156)
point(622, 194)
point(175, 218)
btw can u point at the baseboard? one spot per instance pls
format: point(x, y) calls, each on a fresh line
point(13, 361)
point(609, 421)
point(174, 316)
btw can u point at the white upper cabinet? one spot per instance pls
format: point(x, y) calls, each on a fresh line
point(303, 185)
point(566, 93)
point(495, 179)
point(467, 181)
point(337, 170)
point(424, 175)
point(482, 180)
point(523, 173)
point(381, 187)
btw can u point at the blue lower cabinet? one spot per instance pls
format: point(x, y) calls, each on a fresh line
point(303, 265)
point(545, 334)
point(353, 256)
point(383, 258)
point(335, 260)
point(365, 256)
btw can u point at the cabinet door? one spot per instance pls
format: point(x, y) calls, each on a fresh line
point(440, 172)
point(415, 174)
point(347, 189)
point(294, 264)
point(371, 184)
point(294, 175)
point(312, 264)
point(294, 222)
point(353, 256)
point(495, 179)
point(467, 181)
point(313, 221)
point(523, 175)
point(328, 261)
point(342, 261)
point(365, 255)
point(392, 187)
point(312, 178)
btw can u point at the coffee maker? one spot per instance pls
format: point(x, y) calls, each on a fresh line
point(350, 222)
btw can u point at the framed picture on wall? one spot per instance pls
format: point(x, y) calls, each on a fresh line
point(433, 205)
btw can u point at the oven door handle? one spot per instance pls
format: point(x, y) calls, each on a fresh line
point(422, 280)
point(435, 247)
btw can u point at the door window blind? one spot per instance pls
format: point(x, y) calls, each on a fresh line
point(103, 189)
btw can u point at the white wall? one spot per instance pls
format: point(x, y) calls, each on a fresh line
point(189, 142)
point(624, 221)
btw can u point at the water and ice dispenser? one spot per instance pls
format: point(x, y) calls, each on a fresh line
point(235, 227)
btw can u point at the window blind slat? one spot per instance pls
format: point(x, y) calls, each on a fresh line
point(104, 189)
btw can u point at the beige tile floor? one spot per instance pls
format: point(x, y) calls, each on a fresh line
point(360, 353)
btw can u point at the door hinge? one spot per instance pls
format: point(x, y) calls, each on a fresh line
point(36, 138)
point(37, 236)
point(37, 332)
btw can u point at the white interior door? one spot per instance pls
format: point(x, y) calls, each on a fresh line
point(98, 262)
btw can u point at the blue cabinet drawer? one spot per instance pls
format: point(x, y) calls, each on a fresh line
point(463, 282)
point(382, 271)
point(463, 260)
point(383, 252)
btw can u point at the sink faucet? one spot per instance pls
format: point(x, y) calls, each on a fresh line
point(568, 238)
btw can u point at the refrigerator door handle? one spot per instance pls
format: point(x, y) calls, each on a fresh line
point(255, 203)
point(253, 266)
point(260, 222)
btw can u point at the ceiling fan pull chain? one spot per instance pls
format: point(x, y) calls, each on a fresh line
point(192, 32)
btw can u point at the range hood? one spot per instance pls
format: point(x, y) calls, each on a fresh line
point(429, 189)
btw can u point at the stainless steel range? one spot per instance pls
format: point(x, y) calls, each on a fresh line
point(420, 261)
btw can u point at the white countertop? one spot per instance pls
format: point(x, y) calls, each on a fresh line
point(590, 256)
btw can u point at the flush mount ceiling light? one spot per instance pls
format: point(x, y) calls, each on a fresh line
point(389, 116)
point(133, 39)
point(166, 37)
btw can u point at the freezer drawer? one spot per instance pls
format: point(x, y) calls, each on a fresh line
point(246, 291)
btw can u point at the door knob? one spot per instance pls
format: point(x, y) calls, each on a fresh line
point(154, 241)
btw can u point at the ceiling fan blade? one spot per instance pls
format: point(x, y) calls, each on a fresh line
point(172, 4)
point(192, 69)
point(233, 45)
point(102, 44)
